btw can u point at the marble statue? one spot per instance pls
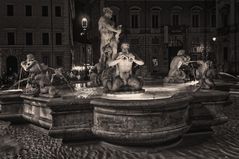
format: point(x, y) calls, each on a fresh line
point(205, 73)
point(39, 80)
point(114, 70)
point(108, 49)
point(123, 77)
point(176, 74)
point(109, 34)
point(31, 65)
point(95, 74)
point(100, 69)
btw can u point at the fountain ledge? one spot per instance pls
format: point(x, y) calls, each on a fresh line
point(206, 110)
point(157, 121)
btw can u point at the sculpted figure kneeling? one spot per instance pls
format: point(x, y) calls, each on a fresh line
point(38, 79)
point(205, 73)
point(124, 79)
point(176, 74)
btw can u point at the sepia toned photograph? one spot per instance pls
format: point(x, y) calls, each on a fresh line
point(119, 79)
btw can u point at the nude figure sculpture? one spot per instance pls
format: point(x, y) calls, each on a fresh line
point(123, 76)
point(109, 34)
point(176, 74)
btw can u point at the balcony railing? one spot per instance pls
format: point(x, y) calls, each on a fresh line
point(171, 29)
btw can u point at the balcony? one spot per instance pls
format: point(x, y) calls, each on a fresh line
point(145, 30)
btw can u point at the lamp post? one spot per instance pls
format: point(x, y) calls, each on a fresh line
point(84, 24)
point(214, 40)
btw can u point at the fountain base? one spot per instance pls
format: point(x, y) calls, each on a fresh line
point(150, 118)
point(206, 110)
point(140, 122)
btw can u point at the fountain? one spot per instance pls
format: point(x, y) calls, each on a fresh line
point(120, 110)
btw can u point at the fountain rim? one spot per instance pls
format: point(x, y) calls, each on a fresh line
point(166, 103)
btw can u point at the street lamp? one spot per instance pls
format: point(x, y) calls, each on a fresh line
point(84, 24)
point(214, 39)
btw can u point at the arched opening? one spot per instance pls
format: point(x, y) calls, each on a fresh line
point(135, 17)
point(155, 17)
point(12, 65)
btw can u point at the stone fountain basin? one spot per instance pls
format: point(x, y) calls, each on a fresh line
point(141, 122)
point(161, 115)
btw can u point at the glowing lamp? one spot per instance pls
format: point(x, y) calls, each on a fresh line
point(84, 23)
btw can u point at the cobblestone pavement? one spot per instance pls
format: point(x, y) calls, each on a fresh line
point(223, 144)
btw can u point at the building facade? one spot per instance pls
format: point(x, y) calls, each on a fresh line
point(228, 35)
point(157, 29)
point(41, 27)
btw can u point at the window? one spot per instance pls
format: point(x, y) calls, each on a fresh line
point(28, 38)
point(155, 40)
point(155, 21)
point(213, 20)
point(224, 12)
point(155, 15)
point(58, 38)
point(134, 21)
point(59, 61)
point(11, 38)
point(237, 12)
point(45, 60)
point(28, 9)
point(44, 11)
point(195, 20)
point(225, 19)
point(225, 53)
point(176, 15)
point(134, 41)
point(45, 38)
point(196, 11)
point(175, 20)
point(10, 10)
point(116, 14)
point(58, 11)
point(134, 17)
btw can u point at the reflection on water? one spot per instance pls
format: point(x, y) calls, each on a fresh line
point(12, 90)
point(156, 92)
point(151, 92)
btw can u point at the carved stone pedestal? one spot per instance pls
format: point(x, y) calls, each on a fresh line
point(11, 106)
point(35, 110)
point(72, 119)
